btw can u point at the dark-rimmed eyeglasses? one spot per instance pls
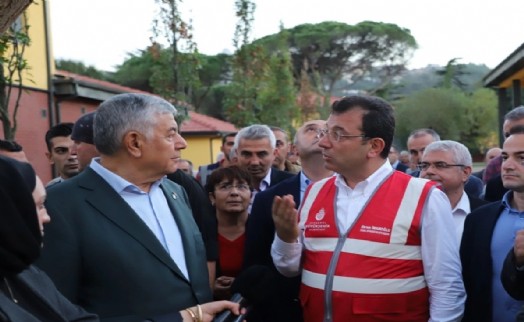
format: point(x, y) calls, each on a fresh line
point(440, 165)
point(336, 135)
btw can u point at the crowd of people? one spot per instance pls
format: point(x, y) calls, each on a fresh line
point(346, 225)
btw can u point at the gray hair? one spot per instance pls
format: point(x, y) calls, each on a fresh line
point(459, 152)
point(255, 132)
point(421, 132)
point(123, 113)
point(515, 114)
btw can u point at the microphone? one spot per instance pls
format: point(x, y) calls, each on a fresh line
point(251, 287)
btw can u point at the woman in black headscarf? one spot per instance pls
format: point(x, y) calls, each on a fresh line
point(26, 293)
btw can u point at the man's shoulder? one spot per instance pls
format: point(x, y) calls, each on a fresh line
point(277, 176)
point(485, 212)
point(283, 187)
point(211, 166)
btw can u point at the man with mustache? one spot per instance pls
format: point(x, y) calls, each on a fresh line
point(255, 147)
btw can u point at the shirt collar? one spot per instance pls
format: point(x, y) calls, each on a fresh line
point(116, 182)
point(463, 204)
point(266, 182)
point(371, 183)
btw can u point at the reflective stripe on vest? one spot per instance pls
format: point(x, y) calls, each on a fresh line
point(382, 247)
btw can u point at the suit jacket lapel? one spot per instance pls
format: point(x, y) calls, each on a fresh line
point(178, 203)
point(99, 192)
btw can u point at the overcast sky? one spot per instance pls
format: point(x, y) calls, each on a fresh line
point(102, 32)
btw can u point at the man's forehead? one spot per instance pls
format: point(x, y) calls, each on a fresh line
point(437, 155)
point(260, 144)
point(514, 142)
point(314, 122)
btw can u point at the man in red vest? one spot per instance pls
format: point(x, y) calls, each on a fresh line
point(372, 244)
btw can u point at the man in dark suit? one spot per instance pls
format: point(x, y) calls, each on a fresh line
point(449, 163)
point(417, 142)
point(123, 243)
point(285, 306)
point(494, 187)
point(255, 147)
point(488, 235)
point(395, 161)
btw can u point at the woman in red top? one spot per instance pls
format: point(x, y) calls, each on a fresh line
point(230, 192)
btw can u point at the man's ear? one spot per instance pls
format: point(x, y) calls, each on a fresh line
point(466, 173)
point(48, 155)
point(133, 143)
point(377, 145)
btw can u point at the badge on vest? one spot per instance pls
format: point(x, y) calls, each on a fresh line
point(375, 230)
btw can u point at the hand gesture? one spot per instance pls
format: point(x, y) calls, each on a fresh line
point(285, 217)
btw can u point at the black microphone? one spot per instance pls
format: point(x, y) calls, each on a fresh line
point(252, 287)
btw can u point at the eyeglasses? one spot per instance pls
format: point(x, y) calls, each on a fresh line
point(227, 187)
point(440, 165)
point(336, 135)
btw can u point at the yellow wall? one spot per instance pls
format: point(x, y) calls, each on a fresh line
point(35, 54)
point(201, 150)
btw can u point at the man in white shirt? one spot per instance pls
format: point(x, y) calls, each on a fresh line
point(371, 243)
point(449, 163)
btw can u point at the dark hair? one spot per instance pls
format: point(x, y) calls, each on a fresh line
point(228, 135)
point(231, 173)
point(421, 132)
point(279, 129)
point(517, 129)
point(10, 146)
point(61, 129)
point(378, 120)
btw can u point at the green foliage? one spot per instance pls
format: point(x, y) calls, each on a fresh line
point(137, 70)
point(336, 51)
point(451, 74)
point(13, 43)
point(80, 68)
point(262, 90)
point(455, 115)
point(180, 78)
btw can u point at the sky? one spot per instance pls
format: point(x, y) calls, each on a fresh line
point(103, 32)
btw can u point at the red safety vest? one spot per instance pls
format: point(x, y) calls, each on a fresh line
point(375, 271)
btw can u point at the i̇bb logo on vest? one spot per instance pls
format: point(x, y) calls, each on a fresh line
point(318, 225)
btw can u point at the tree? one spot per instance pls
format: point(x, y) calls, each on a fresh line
point(183, 56)
point(262, 89)
point(149, 70)
point(452, 74)
point(338, 51)
point(13, 43)
point(250, 65)
point(278, 95)
point(455, 115)
point(80, 68)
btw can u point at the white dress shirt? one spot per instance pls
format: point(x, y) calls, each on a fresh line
point(461, 210)
point(439, 247)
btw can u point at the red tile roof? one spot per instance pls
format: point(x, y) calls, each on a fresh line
point(202, 123)
point(197, 123)
point(94, 81)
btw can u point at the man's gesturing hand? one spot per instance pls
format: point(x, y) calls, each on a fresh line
point(285, 217)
